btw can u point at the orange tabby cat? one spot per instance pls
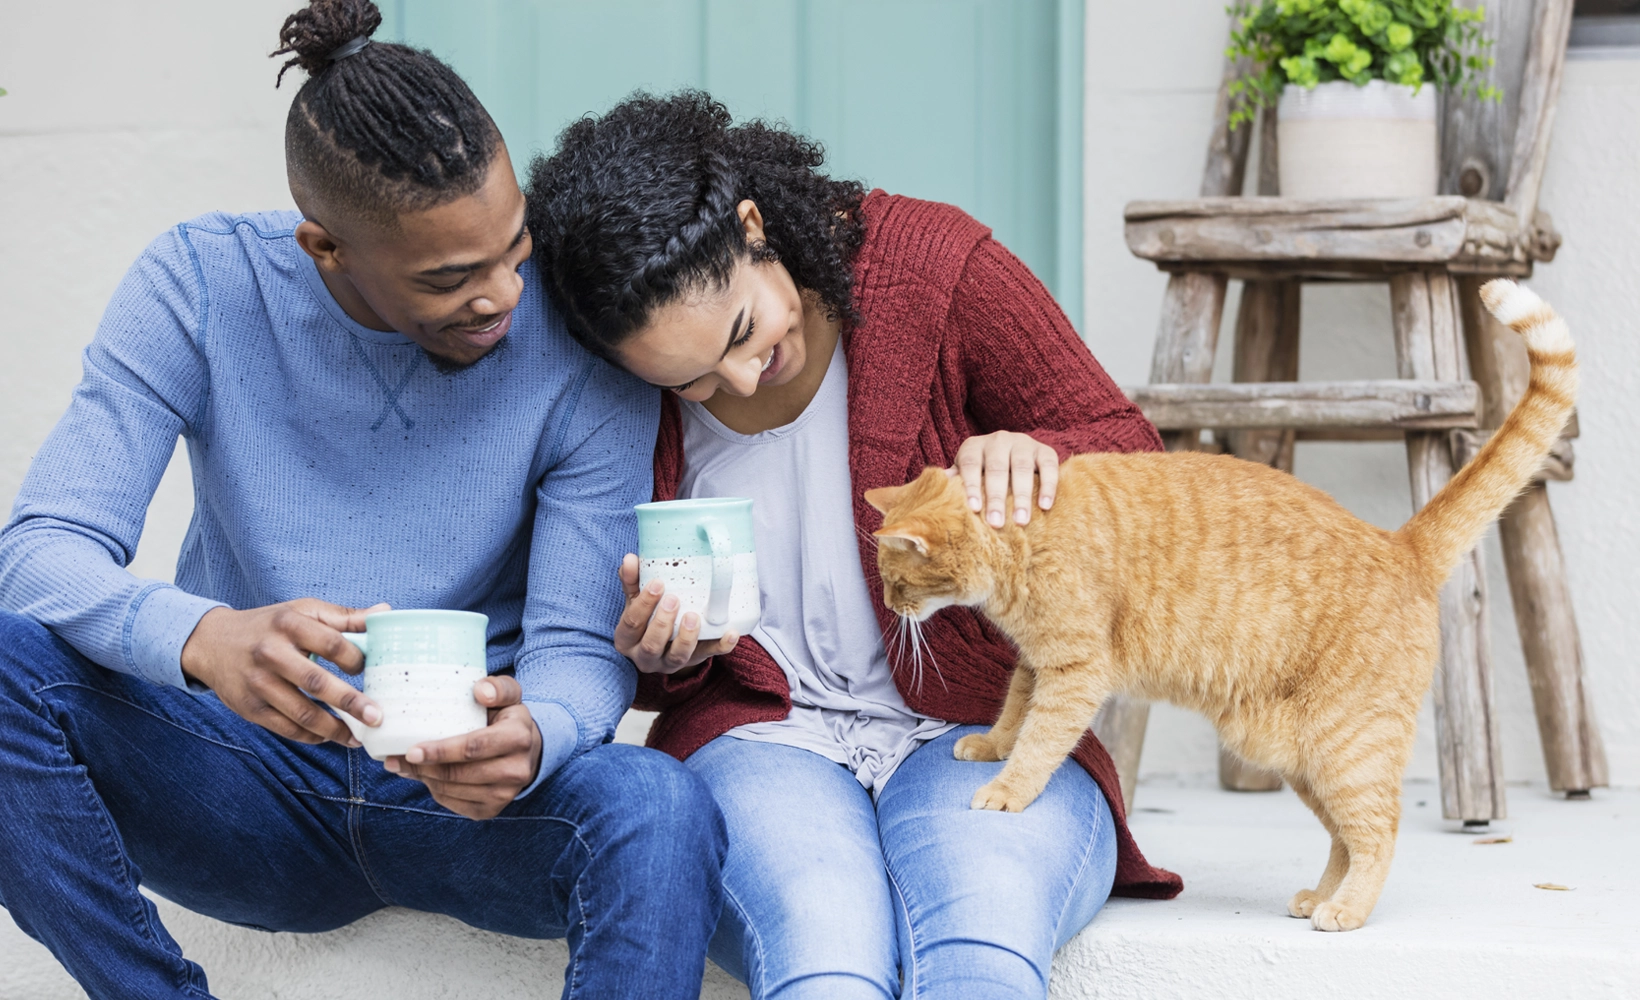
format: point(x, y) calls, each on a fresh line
point(1304, 634)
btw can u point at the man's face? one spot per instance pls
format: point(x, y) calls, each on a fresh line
point(446, 277)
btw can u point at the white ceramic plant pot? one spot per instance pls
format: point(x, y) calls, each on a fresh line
point(1344, 141)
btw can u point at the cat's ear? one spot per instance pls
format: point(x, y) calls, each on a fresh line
point(902, 537)
point(883, 497)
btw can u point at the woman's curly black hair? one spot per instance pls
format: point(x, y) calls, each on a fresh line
point(638, 207)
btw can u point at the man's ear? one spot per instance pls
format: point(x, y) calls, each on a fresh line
point(903, 538)
point(317, 242)
point(883, 497)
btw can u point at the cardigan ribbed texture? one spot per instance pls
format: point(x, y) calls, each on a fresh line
point(956, 338)
point(333, 461)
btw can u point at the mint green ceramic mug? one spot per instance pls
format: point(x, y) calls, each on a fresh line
point(420, 668)
point(705, 553)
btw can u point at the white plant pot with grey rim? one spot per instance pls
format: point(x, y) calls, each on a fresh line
point(1341, 140)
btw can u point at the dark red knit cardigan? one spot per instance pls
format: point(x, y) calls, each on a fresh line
point(956, 338)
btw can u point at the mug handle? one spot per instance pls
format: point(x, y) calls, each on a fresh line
point(359, 639)
point(723, 572)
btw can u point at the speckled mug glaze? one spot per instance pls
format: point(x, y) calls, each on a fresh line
point(703, 550)
point(420, 668)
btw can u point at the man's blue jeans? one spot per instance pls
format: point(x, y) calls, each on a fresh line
point(108, 782)
point(830, 896)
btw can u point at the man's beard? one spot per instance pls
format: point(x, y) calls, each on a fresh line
point(448, 366)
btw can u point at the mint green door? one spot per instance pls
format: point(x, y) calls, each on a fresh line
point(974, 102)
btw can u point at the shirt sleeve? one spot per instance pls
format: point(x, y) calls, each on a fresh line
point(575, 684)
point(79, 514)
point(1027, 369)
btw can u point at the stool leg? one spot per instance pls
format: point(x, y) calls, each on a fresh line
point(1429, 346)
point(1573, 753)
point(1186, 339)
point(1266, 350)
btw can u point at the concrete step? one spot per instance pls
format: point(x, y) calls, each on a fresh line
point(1458, 919)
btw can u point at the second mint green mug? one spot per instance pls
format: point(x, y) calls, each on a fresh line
point(705, 553)
point(420, 667)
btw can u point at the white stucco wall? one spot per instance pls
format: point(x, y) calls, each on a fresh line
point(1148, 110)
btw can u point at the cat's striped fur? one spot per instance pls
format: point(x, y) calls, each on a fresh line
point(1307, 636)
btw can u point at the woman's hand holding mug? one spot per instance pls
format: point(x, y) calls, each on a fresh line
point(645, 634)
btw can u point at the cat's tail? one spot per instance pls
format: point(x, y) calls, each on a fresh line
point(1456, 518)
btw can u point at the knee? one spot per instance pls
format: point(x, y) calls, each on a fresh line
point(30, 655)
point(644, 796)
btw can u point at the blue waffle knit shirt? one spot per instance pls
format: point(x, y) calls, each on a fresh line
point(334, 461)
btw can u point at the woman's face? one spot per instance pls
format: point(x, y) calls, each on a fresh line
point(735, 338)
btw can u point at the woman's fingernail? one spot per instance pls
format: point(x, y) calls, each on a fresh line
point(973, 504)
point(391, 765)
point(487, 689)
point(1022, 516)
point(655, 586)
point(1046, 502)
point(994, 519)
point(691, 620)
point(415, 755)
point(372, 715)
point(669, 602)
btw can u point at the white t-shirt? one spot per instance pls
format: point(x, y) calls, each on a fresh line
point(818, 614)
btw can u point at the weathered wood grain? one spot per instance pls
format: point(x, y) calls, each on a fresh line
point(1226, 168)
point(1441, 230)
point(1539, 92)
point(1120, 726)
point(1381, 404)
point(1469, 752)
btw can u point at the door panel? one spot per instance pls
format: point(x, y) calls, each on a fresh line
point(962, 101)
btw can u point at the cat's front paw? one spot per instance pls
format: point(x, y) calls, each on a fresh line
point(1303, 903)
point(1003, 798)
point(976, 746)
point(1331, 916)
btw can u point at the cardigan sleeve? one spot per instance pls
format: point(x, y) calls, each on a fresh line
point(1026, 368)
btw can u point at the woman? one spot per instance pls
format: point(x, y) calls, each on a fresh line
point(816, 341)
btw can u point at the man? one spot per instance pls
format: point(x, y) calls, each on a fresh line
point(379, 408)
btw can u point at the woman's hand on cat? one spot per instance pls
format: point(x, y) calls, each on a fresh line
point(644, 634)
point(990, 463)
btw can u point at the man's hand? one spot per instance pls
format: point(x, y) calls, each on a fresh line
point(644, 634)
point(993, 458)
point(257, 663)
point(477, 774)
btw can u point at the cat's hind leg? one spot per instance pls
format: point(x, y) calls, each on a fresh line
point(999, 742)
point(1062, 706)
point(1367, 815)
point(1304, 901)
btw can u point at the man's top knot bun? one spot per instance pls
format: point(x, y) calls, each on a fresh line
point(312, 34)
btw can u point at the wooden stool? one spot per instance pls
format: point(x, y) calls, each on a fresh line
point(1460, 372)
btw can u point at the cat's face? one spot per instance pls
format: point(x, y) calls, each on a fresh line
point(929, 546)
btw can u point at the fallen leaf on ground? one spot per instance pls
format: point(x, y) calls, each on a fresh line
point(1552, 885)
point(1496, 840)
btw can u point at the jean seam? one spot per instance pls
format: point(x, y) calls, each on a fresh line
point(761, 987)
point(908, 963)
point(109, 835)
point(573, 973)
point(355, 828)
point(1087, 853)
point(146, 711)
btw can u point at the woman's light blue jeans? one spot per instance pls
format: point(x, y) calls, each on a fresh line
point(828, 896)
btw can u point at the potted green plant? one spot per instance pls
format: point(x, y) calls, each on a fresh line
point(1354, 85)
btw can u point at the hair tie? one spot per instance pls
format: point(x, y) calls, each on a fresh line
point(348, 48)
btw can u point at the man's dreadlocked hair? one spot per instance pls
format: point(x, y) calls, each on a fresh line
point(385, 129)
